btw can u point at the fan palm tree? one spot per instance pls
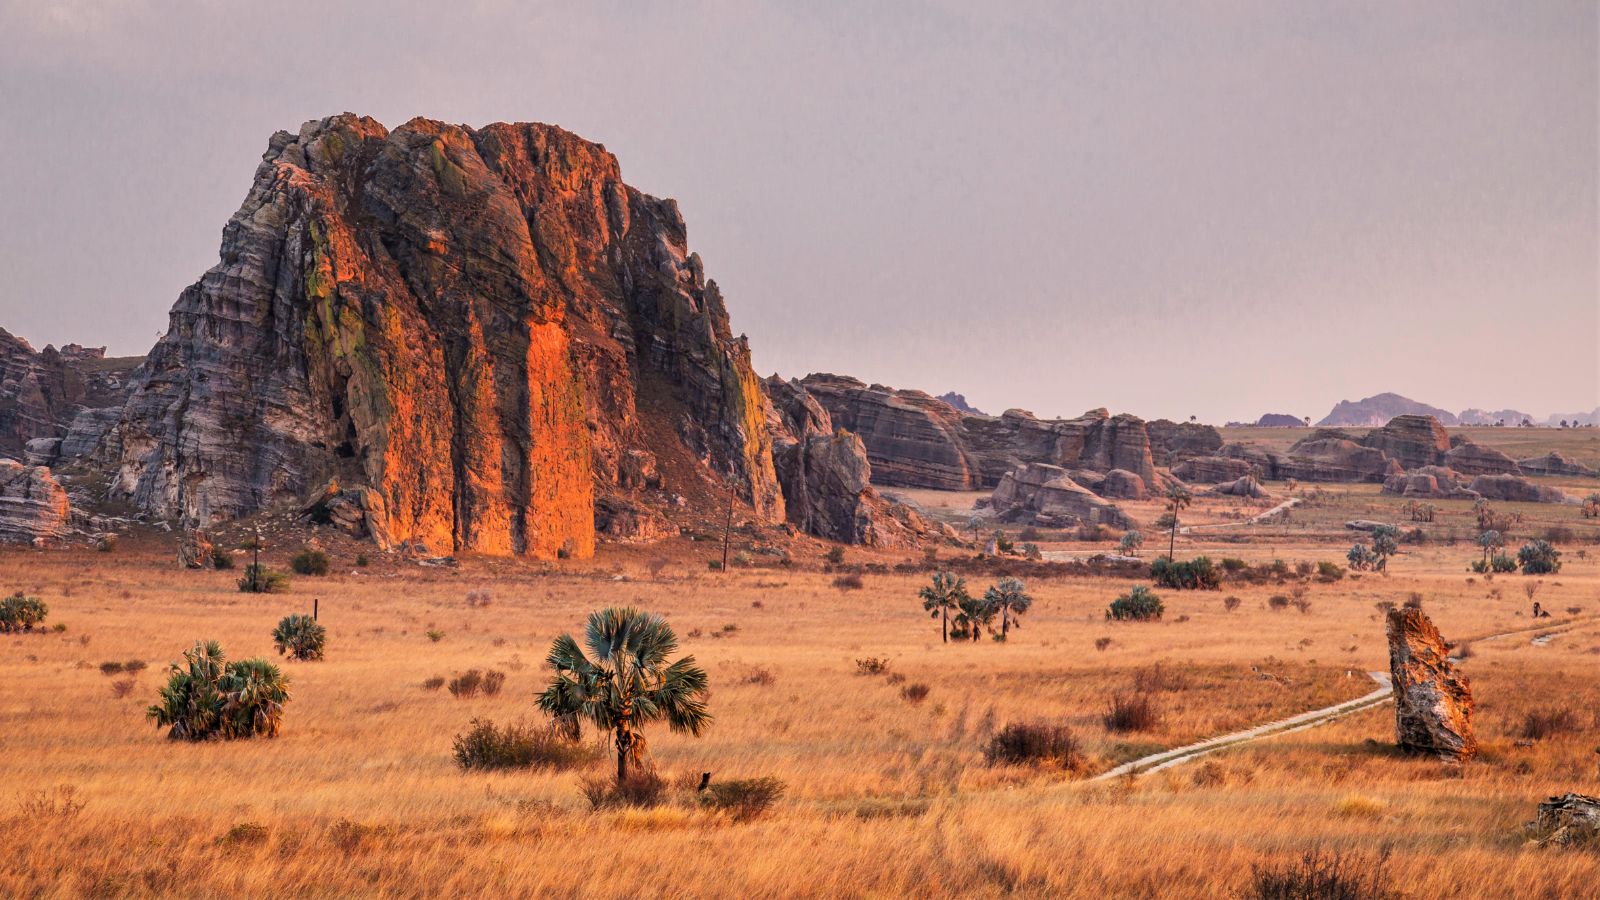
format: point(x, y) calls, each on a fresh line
point(1010, 597)
point(974, 614)
point(1178, 497)
point(207, 696)
point(625, 681)
point(943, 596)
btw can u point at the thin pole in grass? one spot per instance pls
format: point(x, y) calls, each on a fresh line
point(255, 568)
point(727, 528)
point(315, 602)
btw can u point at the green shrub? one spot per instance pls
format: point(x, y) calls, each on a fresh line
point(1232, 564)
point(208, 697)
point(1329, 571)
point(483, 747)
point(259, 579)
point(1035, 743)
point(1196, 574)
point(742, 798)
point(1137, 605)
point(19, 613)
point(835, 555)
point(1539, 558)
point(311, 561)
point(300, 637)
point(362, 561)
point(221, 558)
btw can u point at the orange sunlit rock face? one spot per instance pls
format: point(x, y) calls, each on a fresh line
point(456, 327)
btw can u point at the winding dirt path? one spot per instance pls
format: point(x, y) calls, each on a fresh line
point(1253, 520)
point(1155, 762)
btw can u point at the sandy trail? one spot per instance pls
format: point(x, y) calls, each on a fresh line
point(1253, 520)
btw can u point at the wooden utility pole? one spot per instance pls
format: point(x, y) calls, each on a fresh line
point(255, 567)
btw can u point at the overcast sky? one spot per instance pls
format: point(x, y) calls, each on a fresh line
point(1217, 209)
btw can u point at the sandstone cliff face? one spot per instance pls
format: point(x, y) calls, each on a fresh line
point(478, 326)
point(1475, 459)
point(1046, 495)
point(1172, 442)
point(33, 507)
point(1433, 703)
point(912, 439)
point(42, 392)
point(1411, 440)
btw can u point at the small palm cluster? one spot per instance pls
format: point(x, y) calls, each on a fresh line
point(19, 613)
point(207, 697)
point(966, 617)
point(300, 637)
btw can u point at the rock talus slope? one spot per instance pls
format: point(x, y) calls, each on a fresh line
point(478, 326)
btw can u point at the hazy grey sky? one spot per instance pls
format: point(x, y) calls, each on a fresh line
point(1177, 208)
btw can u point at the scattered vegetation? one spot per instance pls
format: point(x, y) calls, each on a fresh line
point(1138, 605)
point(944, 597)
point(258, 579)
point(872, 665)
point(484, 747)
point(20, 613)
point(1321, 876)
point(1195, 574)
point(1035, 743)
point(742, 798)
point(1131, 712)
point(311, 561)
point(1539, 557)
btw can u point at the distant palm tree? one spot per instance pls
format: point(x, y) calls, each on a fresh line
point(944, 596)
point(1178, 497)
point(1010, 596)
point(628, 682)
point(975, 615)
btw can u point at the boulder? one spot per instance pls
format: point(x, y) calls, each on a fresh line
point(41, 451)
point(1045, 495)
point(194, 549)
point(1120, 484)
point(356, 510)
point(1516, 489)
point(33, 508)
point(1433, 702)
point(622, 519)
point(1214, 469)
point(1570, 820)
point(1555, 463)
point(1244, 486)
point(1411, 440)
point(1475, 459)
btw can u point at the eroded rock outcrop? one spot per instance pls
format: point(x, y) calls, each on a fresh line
point(478, 326)
point(1046, 495)
point(1244, 486)
point(1516, 489)
point(1555, 463)
point(1570, 820)
point(826, 475)
point(1469, 458)
point(911, 438)
point(1120, 484)
point(1324, 457)
point(1433, 702)
point(1172, 442)
point(1411, 440)
point(1214, 469)
point(1429, 483)
point(33, 508)
point(42, 391)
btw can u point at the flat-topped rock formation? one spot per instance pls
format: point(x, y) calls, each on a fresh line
point(912, 439)
point(1045, 495)
point(1555, 463)
point(1475, 459)
point(1215, 469)
point(480, 326)
point(33, 508)
point(1516, 489)
point(1411, 440)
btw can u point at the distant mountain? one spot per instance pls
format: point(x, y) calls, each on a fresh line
point(1280, 420)
point(1578, 418)
point(1378, 409)
point(1477, 416)
point(961, 404)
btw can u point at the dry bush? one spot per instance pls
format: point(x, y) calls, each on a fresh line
point(1540, 724)
point(433, 683)
point(1131, 712)
point(1278, 602)
point(872, 665)
point(60, 803)
point(485, 747)
point(1102, 643)
point(761, 676)
point(1159, 678)
point(1230, 603)
point(743, 798)
point(123, 687)
point(1321, 876)
point(849, 581)
point(467, 684)
point(476, 599)
point(914, 693)
point(638, 789)
point(1035, 743)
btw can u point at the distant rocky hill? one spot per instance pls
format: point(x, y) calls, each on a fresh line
point(1377, 410)
point(1475, 416)
point(42, 392)
point(1280, 420)
point(959, 402)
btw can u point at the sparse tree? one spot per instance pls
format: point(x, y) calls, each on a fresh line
point(1539, 558)
point(1385, 543)
point(1010, 597)
point(973, 616)
point(625, 682)
point(1178, 498)
point(1490, 541)
point(300, 637)
point(1360, 557)
point(1130, 543)
point(943, 597)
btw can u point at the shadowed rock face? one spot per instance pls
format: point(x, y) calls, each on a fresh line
point(1475, 459)
point(1172, 442)
point(1333, 459)
point(33, 507)
point(1433, 703)
point(1429, 483)
point(1046, 495)
point(476, 325)
point(42, 392)
point(1516, 489)
point(912, 439)
point(1555, 463)
point(1213, 469)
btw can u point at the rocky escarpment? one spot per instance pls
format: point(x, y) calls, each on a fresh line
point(912, 439)
point(1516, 489)
point(483, 328)
point(1214, 469)
point(1411, 440)
point(1045, 495)
point(1429, 483)
point(1433, 703)
point(44, 393)
point(1173, 442)
point(1330, 456)
point(33, 507)
point(1556, 463)
point(1475, 459)
point(826, 475)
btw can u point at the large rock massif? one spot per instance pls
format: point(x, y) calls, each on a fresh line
point(1042, 494)
point(1379, 409)
point(1433, 702)
point(475, 333)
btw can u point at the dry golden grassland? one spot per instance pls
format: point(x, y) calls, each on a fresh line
point(885, 796)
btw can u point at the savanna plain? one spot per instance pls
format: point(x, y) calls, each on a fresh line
point(826, 674)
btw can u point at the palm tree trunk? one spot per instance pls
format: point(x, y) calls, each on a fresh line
point(1172, 542)
point(944, 612)
point(1005, 622)
point(624, 749)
